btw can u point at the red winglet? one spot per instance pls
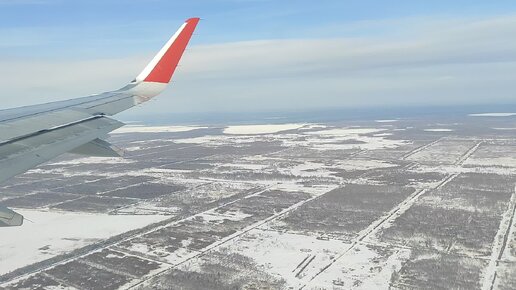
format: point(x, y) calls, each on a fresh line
point(164, 64)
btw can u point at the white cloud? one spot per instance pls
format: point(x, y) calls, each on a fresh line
point(434, 62)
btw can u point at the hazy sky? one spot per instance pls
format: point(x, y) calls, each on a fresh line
point(261, 55)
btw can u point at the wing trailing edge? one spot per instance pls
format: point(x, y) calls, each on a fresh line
point(98, 148)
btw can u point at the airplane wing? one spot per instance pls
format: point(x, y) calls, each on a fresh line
point(35, 134)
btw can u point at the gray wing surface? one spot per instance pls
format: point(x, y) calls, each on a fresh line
point(32, 135)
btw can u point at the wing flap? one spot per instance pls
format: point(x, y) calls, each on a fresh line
point(98, 148)
point(26, 126)
point(25, 153)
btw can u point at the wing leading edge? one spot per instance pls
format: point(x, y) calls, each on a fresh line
point(33, 135)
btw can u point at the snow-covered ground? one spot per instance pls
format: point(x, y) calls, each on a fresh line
point(322, 139)
point(260, 129)
point(444, 152)
point(439, 130)
point(492, 115)
point(362, 268)
point(280, 253)
point(54, 233)
point(386, 121)
point(493, 155)
point(155, 129)
point(362, 164)
point(94, 160)
point(344, 132)
point(231, 201)
point(502, 161)
point(505, 128)
point(350, 138)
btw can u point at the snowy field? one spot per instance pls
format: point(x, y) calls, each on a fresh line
point(379, 204)
point(55, 233)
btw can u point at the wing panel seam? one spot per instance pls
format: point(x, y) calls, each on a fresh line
point(50, 129)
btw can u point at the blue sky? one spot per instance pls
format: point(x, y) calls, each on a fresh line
point(264, 55)
point(144, 24)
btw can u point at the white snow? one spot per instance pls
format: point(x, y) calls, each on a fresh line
point(457, 169)
point(314, 126)
point(245, 166)
point(217, 140)
point(362, 164)
point(292, 186)
point(323, 139)
point(214, 216)
point(95, 160)
point(280, 253)
point(54, 233)
point(439, 130)
point(505, 129)
point(260, 129)
point(345, 139)
point(386, 121)
point(155, 129)
point(492, 115)
point(443, 152)
point(361, 268)
point(502, 161)
point(286, 254)
point(308, 169)
point(340, 132)
point(498, 244)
